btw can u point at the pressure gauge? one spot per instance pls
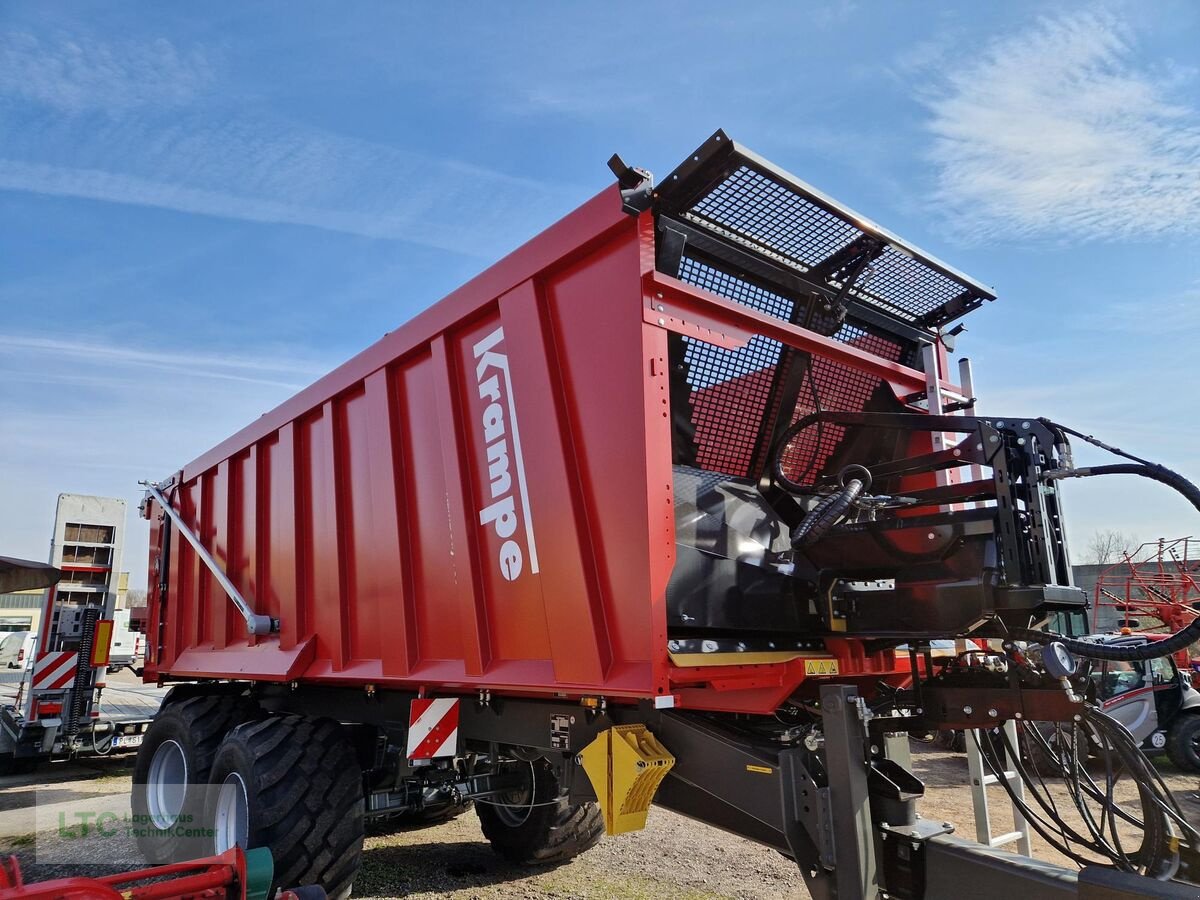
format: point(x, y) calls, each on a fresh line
point(1058, 661)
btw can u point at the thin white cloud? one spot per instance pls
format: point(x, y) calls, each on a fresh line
point(1062, 130)
point(102, 442)
point(431, 221)
point(72, 75)
point(131, 125)
point(49, 360)
point(93, 417)
point(1171, 319)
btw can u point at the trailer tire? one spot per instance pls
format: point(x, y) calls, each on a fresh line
point(182, 742)
point(1183, 742)
point(538, 830)
point(301, 789)
point(10, 764)
point(953, 739)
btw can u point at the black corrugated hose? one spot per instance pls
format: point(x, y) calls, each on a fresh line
point(830, 510)
point(1151, 649)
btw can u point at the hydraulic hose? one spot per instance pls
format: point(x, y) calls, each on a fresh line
point(826, 514)
point(1151, 649)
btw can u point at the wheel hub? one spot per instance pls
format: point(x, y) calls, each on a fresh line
point(514, 806)
point(166, 784)
point(231, 820)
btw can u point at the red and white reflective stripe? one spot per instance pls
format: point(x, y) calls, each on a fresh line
point(1136, 692)
point(55, 670)
point(433, 728)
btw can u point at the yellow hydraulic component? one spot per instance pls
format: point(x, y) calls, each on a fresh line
point(625, 765)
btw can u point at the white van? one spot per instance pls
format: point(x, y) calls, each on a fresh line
point(125, 651)
point(16, 649)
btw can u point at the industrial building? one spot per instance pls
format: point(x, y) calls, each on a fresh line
point(88, 543)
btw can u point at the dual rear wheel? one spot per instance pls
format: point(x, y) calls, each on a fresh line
point(215, 771)
point(292, 784)
point(172, 770)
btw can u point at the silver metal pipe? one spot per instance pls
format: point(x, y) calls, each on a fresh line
point(966, 380)
point(255, 624)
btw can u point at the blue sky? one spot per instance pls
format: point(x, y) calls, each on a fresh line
point(205, 207)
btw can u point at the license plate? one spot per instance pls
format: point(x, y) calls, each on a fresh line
point(127, 740)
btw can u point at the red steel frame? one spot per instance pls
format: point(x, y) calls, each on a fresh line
point(352, 511)
point(220, 877)
point(1160, 581)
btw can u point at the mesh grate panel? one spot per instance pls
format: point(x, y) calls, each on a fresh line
point(732, 288)
point(770, 216)
point(774, 219)
point(731, 389)
point(904, 286)
point(858, 337)
point(839, 388)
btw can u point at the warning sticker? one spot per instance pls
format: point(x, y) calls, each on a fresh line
point(560, 732)
point(820, 667)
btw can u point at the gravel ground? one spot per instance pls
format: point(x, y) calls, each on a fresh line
point(673, 857)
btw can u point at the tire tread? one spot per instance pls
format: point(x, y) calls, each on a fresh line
point(309, 802)
point(205, 718)
point(1180, 748)
point(552, 835)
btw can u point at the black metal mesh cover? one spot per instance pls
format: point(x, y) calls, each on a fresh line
point(755, 211)
point(746, 201)
point(731, 390)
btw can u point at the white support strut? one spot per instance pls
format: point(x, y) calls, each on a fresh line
point(255, 624)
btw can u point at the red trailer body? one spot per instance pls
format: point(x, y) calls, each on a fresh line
point(483, 498)
point(642, 513)
point(352, 513)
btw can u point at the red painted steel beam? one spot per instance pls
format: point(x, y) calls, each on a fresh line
point(680, 307)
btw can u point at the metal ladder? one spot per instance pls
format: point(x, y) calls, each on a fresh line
point(981, 777)
point(979, 771)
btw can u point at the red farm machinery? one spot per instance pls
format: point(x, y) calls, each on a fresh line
point(665, 506)
point(235, 874)
point(1155, 588)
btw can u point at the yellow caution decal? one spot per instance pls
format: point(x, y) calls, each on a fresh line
point(762, 770)
point(625, 765)
point(821, 667)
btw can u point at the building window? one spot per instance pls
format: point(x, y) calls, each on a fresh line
point(15, 623)
point(75, 555)
point(22, 601)
point(94, 578)
point(80, 598)
point(89, 534)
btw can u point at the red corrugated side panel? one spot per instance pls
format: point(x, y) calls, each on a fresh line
point(482, 498)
